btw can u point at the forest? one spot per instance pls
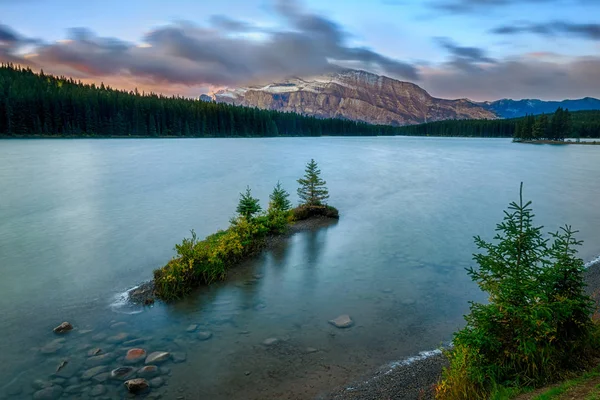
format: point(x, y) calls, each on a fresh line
point(33, 104)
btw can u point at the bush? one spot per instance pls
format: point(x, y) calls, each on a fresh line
point(537, 323)
point(305, 211)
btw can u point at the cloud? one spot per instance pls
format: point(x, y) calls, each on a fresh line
point(555, 28)
point(465, 6)
point(464, 58)
point(531, 76)
point(227, 52)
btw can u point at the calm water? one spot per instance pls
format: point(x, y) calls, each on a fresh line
point(81, 221)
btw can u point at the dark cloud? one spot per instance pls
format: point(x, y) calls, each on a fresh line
point(7, 35)
point(529, 76)
point(226, 52)
point(465, 6)
point(464, 58)
point(555, 28)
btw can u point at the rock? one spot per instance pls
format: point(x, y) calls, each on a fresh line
point(135, 342)
point(149, 371)
point(73, 389)
point(122, 373)
point(244, 332)
point(192, 328)
point(310, 350)
point(408, 302)
point(204, 335)
point(158, 357)
point(134, 356)
point(157, 382)
point(260, 306)
point(53, 346)
point(90, 373)
point(97, 390)
point(94, 352)
point(49, 393)
point(63, 328)
point(179, 357)
point(270, 341)
point(118, 325)
point(343, 321)
point(118, 338)
point(69, 370)
point(99, 337)
point(14, 388)
point(149, 301)
point(101, 359)
point(165, 371)
point(101, 378)
point(85, 331)
point(136, 385)
point(39, 384)
point(247, 373)
point(58, 381)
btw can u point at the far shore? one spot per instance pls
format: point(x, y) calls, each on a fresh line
point(595, 142)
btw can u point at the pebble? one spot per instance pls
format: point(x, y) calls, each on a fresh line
point(149, 371)
point(136, 385)
point(270, 341)
point(90, 373)
point(99, 337)
point(97, 390)
point(63, 328)
point(118, 338)
point(135, 355)
point(204, 335)
point(192, 328)
point(157, 382)
point(100, 359)
point(94, 352)
point(101, 378)
point(73, 389)
point(158, 357)
point(179, 357)
point(49, 393)
point(247, 373)
point(165, 371)
point(39, 384)
point(310, 350)
point(122, 373)
point(343, 321)
point(53, 346)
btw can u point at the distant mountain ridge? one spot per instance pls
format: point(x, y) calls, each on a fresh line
point(354, 95)
point(507, 108)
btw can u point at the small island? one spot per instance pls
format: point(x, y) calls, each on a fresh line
point(202, 262)
point(557, 129)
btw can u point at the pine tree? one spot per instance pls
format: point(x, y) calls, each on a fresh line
point(279, 199)
point(540, 128)
point(248, 205)
point(312, 191)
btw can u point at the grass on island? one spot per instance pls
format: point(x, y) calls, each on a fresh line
point(200, 262)
point(537, 327)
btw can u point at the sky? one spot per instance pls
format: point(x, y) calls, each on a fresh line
point(476, 49)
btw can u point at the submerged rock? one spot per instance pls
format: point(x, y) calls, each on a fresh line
point(270, 341)
point(100, 359)
point(53, 346)
point(135, 355)
point(90, 373)
point(157, 382)
point(192, 328)
point(63, 328)
point(118, 338)
point(118, 325)
point(135, 342)
point(49, 393)
point(122, 373)
point(158, 357)
point(99, 337)
point(343, 321)
point(136, 385)
point(94, 352)
point(97, 390)
point(101, 378)
point(179, 357)
point(73, 389)
point(149, 371)
point(204, 335)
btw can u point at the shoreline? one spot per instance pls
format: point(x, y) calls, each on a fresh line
point(557, 142)
point(144, 295)
point(413, 378)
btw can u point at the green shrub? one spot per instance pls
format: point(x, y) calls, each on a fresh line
point(305, 211)
point(537, 324)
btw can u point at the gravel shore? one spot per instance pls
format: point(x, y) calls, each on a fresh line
point(414, 379)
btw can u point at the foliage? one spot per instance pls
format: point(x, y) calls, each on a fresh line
point(537, 323)
point(559, 127)
point(280, 199)
point(312, 190)
point(305, 212)
point(248, 205)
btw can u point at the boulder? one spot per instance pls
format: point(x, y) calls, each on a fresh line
point(343, 321)
point(64, 327)
point(136, 385)
point(158, 357)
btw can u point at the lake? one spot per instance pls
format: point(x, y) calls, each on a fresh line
point(82, 221)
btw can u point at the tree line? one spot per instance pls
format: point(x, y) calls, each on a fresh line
point(557, 128)
point(39, 104)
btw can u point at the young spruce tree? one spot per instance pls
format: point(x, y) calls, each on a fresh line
point(312, 190)
point(248, 205)
point(279, 199)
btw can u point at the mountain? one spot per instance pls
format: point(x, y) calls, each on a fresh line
point(357, 96)
point(507, 108)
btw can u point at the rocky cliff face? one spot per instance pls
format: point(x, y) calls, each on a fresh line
point(355, 95)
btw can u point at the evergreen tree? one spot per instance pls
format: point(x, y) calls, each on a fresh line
point(540, 127)
point(312, 190)
point(279, 199)
point(248, 205)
